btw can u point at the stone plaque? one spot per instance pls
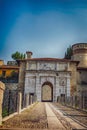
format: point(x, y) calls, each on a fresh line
point(32, 66)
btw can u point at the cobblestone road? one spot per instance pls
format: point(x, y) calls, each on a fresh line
point(78, 115)
point(34, 117)
point(42, 115)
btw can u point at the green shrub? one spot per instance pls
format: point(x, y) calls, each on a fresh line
point(4, 112)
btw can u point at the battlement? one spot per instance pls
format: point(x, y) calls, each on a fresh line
point(79, 48)
point(80, 53)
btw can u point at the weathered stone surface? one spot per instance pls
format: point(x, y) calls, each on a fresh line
point(2, 88)
point(38, 73)
point(11, 86)
point(22, 76)
point(73, 78)
point(19, 102)
point(62, 74)
point(80, 54)
point(33, 118)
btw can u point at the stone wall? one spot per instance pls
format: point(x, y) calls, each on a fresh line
point(73, 81)
point(82, 58)
point(11, 86)
point(81, 81)
point(35, 80)
point(2, 88)
point(33, 74)
point(44, 65)
point(82, 77)
point(80, 54)
point(22, 76)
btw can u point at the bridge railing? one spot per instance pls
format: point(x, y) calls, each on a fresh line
point(9, 105)
point(79, 102)
point(27, 99)
point(15, 102)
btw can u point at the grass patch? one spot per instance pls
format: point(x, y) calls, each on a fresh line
point(4, 112)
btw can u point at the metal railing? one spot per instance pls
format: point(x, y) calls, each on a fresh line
point(9, 105)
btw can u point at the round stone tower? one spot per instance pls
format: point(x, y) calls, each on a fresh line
point(80, 53)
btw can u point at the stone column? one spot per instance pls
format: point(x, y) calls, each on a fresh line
point(35, 97)
point(2, 88)
point(31, 99)
point(19, 102)
point(27, 100)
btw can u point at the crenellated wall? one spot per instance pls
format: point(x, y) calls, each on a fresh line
point(80, 54)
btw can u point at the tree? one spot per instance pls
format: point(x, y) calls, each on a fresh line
point(68, 53)
point(17, 55)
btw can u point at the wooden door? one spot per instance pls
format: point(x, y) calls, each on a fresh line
point(47, 93)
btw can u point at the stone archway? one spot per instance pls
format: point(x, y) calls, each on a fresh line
point(47, 92)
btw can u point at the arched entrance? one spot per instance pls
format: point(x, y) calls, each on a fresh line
point(47, 92)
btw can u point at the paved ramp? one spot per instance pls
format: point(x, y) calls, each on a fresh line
point(72, 123)
point(53, 122)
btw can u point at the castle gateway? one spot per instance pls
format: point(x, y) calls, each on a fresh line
point(47, 78)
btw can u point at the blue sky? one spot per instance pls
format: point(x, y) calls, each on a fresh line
point(45, 27)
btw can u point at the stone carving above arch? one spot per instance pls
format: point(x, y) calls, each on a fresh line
point(46, 79)
point(46, 66)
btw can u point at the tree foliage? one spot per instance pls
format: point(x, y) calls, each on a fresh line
point(17, 55)
point(68, 53)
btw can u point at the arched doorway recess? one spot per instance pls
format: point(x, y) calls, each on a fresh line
point(47, 92)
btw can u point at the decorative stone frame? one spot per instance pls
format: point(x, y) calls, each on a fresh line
point(51, 86)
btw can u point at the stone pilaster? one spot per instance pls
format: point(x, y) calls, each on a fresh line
point(37, 65)
point(38, 89)
point(2, 88)
point(68, 86)
point(57, 88)
point(31, 99)
point(19, 102)
point(26, 86)
point(22, 76)
point(27, 100)
point(54, 93)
